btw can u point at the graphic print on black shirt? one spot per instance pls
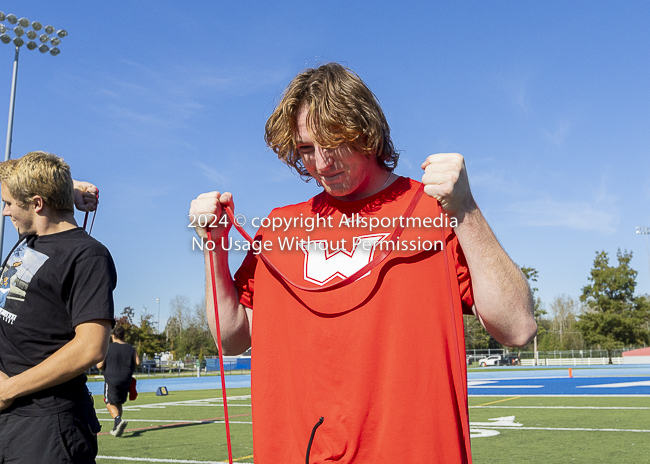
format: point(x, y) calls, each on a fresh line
point(17, 273)
point(49, 285)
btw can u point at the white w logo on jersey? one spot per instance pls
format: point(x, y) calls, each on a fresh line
point(324, 261)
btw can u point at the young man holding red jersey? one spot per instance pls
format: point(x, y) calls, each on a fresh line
point(381, 360)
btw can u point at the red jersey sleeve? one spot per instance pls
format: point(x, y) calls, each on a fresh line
point(464, 278)
point(245, 279)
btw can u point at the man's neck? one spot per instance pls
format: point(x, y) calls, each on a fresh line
point(53, 223)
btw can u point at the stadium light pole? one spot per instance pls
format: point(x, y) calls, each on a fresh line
point(158, 301)
point(645, 231)
point(19, 28)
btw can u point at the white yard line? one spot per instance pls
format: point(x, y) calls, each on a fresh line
point(177, 421)
point(180, 461)
point(472, 395)
point(136, 408)
point(642, 383)
point(505, 386)
point(210, 402)
point(558, 407)
point(562, 429)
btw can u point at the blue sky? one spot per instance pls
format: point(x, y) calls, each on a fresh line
point(158, 101)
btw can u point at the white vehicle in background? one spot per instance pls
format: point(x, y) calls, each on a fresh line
point(500, 360)
point(490, 360)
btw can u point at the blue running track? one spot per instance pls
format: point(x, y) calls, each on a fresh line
point(182, 383)
point(512, 381)
point(541, 381)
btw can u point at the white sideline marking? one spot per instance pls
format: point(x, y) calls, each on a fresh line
point(563, 395)
point(135, 408)
point(483, 384)
point(232, 422)
point(482, 433)
point(497, 422)
point(505, 386)
point(181, 461)
point(643, 383)
point(508, 421)
point(217, 402)
point(178, 421)
point(558, 407)
point(574, 429)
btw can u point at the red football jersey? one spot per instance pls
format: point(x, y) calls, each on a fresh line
point(382, 360)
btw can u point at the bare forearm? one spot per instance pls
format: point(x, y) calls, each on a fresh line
point(502, 296)
point(233, 318)
point(85, 350)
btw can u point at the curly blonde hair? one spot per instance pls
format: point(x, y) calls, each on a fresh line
point(42, 174)
point(341, 109)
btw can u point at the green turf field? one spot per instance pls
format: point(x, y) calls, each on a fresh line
point(169, 428)
point(544, 430)
point(588, 430)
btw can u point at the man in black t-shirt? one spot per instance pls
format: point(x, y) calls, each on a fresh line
point(120, 362)
point(55, 317)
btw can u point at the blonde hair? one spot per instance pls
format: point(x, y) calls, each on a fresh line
point(42, 174)
point(340, 109)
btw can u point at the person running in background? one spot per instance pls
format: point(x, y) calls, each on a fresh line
point(122, 359)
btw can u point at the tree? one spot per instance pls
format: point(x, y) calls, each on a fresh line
point(531, 275)
point(614, 317)
point(542, 325)
point(142, 337)
point(126, 321)
point(476, 337)
point(564, 333)
point(180, 311)
point(187, 329)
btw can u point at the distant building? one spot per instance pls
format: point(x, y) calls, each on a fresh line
point(640, 356)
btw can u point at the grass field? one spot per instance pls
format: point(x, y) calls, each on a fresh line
point(544, 430)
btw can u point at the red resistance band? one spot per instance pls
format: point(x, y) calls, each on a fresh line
point(458, 383)
point(92, 223)
point(94, 214)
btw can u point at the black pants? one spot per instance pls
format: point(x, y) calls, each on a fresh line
point(68, 437)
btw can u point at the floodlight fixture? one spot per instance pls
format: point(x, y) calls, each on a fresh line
point(13, 34)
point(49, 34)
